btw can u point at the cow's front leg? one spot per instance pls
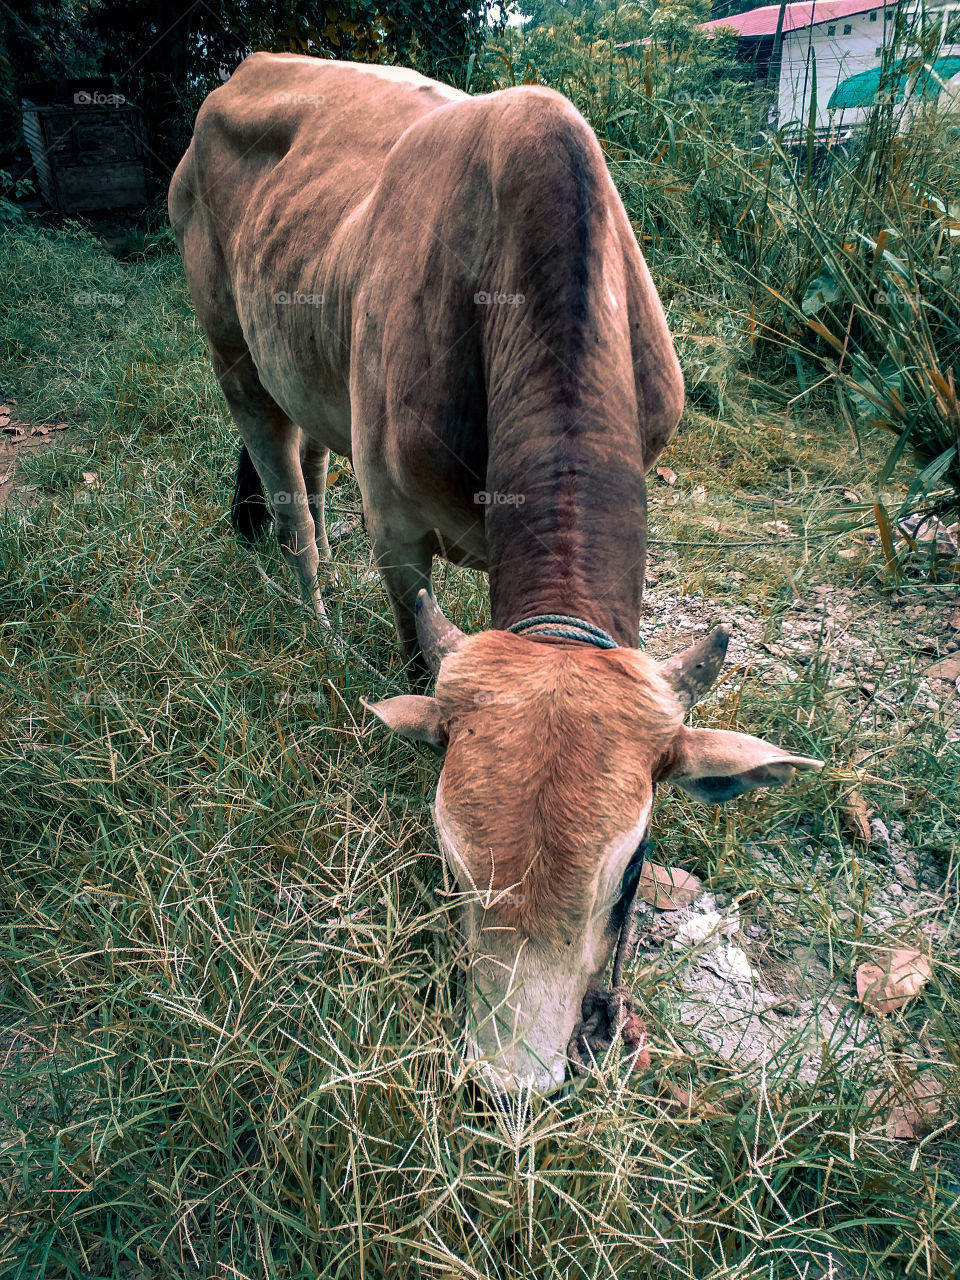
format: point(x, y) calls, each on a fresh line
point(404, 566)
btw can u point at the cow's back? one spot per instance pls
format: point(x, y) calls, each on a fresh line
point(329, 124)
point(282, 157)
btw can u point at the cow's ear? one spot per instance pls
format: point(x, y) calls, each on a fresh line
point(414, 716)
point(714, 765)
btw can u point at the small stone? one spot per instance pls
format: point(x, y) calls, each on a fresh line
point(879, 833)
point(339, 530)
point(904, 873)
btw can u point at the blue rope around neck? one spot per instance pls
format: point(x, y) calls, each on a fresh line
point(562, 626)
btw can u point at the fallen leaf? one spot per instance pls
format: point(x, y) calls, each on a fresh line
point(40, 431)
point(694, 1103)
point(889, 985)
point(855, 818)
point(332, 477)
point(851, 495)
point(711, 522)
point(667, 888)
point(953, 622)
point(60, 426)
point(945, 669)
point(4, 419)
point(90, 478)
point(666, 475)
point(913, 1107)
point(777, 528)
point(848, 554)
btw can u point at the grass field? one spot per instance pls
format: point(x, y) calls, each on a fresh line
point(229, 1011)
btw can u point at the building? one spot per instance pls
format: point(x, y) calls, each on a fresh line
point(831, 55)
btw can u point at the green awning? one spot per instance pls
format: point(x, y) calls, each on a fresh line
point(864, 89)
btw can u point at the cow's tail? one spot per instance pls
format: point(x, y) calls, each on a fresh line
point(249, 512)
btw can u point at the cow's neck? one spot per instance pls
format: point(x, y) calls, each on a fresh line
point(566, 521)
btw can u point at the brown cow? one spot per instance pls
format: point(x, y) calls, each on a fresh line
point(447, 289)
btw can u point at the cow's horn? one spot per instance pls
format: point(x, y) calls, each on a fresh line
point(437, 636)
point(692, 672)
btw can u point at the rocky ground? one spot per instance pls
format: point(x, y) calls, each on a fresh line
point(765, 981)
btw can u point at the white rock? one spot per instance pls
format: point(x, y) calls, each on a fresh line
point(730, 963)
point(705, 924)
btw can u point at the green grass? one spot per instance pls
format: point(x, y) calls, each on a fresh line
point(229, 1002)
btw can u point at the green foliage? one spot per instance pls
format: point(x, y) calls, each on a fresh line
point(166, 56)
point(40, 40)
point(11, 190)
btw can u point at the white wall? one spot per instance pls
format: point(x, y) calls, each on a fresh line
point(838, 55)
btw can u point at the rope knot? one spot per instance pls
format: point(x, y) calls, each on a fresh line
point(605, 1014)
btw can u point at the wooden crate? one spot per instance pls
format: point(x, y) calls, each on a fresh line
point(88, 154)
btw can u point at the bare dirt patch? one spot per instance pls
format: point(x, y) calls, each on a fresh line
point(18, 438)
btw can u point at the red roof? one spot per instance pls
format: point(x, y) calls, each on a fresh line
point(802, 13)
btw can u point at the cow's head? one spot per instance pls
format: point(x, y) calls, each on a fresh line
point(552, 753)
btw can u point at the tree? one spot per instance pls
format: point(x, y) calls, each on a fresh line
point(166, 55)
point(43, 40)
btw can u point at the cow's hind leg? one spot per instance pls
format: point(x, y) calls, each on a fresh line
point(272, 444)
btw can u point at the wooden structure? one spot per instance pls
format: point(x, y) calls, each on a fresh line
point(87, 150)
